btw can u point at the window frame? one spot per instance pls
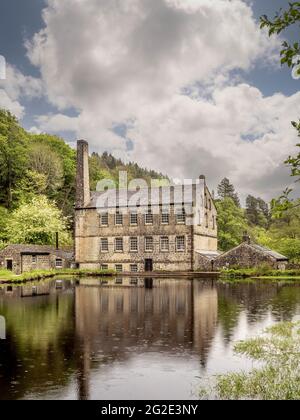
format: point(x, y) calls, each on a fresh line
point(61, 261)
point(181, 215)
point(120, 240)
point(179, 249)
point(133, 214)
point(149, 213)
point(146, 239)
point(162, 239)
point(103, 250)
point(165, 214)
point(119, 214)
point(119, 266)
point(104, 215)
point(131, 268)
point(131, 239)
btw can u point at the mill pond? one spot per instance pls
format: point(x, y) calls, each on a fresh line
point(131, 338)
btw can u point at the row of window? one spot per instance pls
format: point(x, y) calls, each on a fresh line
point(120, 281)
point(119, 269)
point(58, 261)
point(148, 218)
point(149, 244)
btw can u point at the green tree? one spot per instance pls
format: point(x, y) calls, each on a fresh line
point(45, 161)
point(257, 211)
point(283, 20)
point(231, 224)
point(3, 224)
point(283, 234)
point(37, 222)
point(290, 55)
point(13, 156)
point(64, 192)
point(227, 190)
point(28, 187)
point(294, 162)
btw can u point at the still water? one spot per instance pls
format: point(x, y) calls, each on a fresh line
point(157, 339)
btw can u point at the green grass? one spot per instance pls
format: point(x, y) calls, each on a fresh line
point(8, 276)
point(278, 351)
point(264, 272)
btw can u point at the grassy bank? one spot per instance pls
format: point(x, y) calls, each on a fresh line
point(8, 277)
point(264, 272)
point(278, 350)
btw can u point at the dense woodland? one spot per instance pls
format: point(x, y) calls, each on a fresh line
point(37, 183)
point(37, 195)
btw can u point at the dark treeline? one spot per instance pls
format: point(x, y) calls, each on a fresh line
point(275, 224)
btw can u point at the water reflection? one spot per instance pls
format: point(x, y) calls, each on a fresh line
point(134, 338)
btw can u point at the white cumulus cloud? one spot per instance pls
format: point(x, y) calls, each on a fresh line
point(164, 68)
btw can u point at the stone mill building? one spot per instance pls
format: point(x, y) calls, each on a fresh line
point(138, 230)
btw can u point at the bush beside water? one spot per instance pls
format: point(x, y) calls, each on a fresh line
point(279, 377)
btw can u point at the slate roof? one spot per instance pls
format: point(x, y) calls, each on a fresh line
point(259, 248)
point(270, 252)
point(179, 194)
point(40, 249)
point(212, 255)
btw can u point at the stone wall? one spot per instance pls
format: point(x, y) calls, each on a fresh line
point(11, 254)
point(244, 256)
point(42, 263)
point(22, 263)
point(90, 232)
point(202, 263)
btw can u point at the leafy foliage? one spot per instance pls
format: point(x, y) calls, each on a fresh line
point(257, 211)
point(37, 183)
point(13, 156)
point(279, 376)
point(282, 21)
point(108, 167)
point(231, 223)
point(294, 162)
point(290, 54)
point(37, 222)
point(227, 190)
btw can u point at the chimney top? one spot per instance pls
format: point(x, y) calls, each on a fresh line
point(247, 238)
point(82, 142)
point(202, 177)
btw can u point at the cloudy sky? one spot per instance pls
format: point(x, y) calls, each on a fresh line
point(181, 86)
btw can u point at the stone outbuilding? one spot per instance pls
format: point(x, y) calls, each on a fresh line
point(250, 255)
point(24, 258)
point(205, 260)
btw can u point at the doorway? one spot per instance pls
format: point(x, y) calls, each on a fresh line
point(148, 265)
point(9, 265)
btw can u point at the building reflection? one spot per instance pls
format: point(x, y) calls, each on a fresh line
point(163, 316)
point(60, 330)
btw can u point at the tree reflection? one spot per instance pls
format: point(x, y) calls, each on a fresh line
point(59, 338)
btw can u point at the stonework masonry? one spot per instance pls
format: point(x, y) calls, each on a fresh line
point(249, 255)
point(158, 245)
point(24, 258)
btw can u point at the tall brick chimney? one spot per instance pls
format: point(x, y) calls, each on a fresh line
point(83, 194)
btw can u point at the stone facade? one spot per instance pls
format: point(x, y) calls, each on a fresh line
point(145, 245)
point(24, 258)
point(249, 255)
point(205, 261)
